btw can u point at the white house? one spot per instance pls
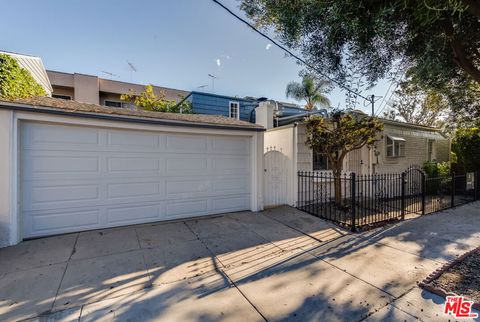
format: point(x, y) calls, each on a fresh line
point(399, 146)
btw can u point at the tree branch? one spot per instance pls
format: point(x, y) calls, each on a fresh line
point(460, 57)
point(473, 6)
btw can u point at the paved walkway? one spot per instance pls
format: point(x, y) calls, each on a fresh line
point(279, 265)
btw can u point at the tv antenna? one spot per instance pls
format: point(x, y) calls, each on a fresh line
point(213, 77)
point(132, 69)
point(111, 75)
point(202, 87)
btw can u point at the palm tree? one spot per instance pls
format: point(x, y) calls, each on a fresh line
point(311, 90)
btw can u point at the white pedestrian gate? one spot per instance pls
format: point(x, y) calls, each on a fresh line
point(275, 181)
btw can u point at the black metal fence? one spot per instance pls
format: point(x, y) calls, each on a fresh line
point(357, 201)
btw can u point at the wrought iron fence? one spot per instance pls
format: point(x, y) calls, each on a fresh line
point(357, 201)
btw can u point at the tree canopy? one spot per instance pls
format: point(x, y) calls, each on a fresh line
point(311, 90)
point(17, 82)
point(466, 145)
point(150, 101)
point(414, 105)
point(436, 41)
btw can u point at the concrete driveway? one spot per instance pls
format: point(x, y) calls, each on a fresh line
point(278, 265)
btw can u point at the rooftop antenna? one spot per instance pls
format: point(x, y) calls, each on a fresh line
point(111, 75)
point(202, 87)
point(213, 77)
point(132, 69)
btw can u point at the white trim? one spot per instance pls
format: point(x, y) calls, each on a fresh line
point(230, 109)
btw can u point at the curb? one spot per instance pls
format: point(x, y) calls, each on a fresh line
point(426, 283)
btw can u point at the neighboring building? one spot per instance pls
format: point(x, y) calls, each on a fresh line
point(95, 90)
point(236, 107)
point(70, 167)
point(399, 146)
point(35, 66)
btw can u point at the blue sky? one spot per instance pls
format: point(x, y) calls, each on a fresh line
point(171, 43)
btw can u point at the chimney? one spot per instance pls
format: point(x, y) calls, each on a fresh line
point(264, 114)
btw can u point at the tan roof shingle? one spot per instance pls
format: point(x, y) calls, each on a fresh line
point(48, 104)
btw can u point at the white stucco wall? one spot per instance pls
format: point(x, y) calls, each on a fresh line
point(6, 216)
point(10, 215)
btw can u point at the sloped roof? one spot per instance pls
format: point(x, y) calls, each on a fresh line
point(35, 66)
point(73, 108)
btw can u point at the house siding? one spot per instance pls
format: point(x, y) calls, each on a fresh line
point(416, 148)
point(205, 103)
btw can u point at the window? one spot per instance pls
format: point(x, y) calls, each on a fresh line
point(320, 161)
point(430, 150)
point(116, 104)
point(63, 97)
point(235, 110)
point(395, 147)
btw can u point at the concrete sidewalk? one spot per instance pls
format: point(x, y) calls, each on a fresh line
point(278, 265)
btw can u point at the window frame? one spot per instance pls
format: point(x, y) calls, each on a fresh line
point(430, 149)
point(122, 104)
point(328, 166)
point(230, 105)
point(62, 96)
point(397, 147)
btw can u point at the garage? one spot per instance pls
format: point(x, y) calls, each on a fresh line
point(77, 174)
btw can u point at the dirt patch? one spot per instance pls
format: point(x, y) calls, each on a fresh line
point(462, 278)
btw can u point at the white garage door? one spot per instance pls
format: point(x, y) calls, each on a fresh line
point(77, 178)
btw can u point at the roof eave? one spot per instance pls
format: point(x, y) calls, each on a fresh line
point(116, 117)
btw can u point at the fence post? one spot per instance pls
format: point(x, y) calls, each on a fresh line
point(404, 182)
point(353, 197)
point(453, 190)
point(475, 185)
point(424, 192)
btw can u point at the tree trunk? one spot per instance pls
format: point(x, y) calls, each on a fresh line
point(337, 182)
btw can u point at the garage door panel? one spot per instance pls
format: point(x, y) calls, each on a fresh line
point(234, 203)
point(43, 135)
point(231, 185)
point(231, 145)
point(133, 139)
point(136, 164)
point(62, 193)
point(134, 189)
point(131, 215)
point(110, 177)
point(56, 222)
point(62, 164)
point(186, 144)
point(186, 165)
point(187, 208)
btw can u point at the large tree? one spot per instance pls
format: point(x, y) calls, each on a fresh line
point(437, 41)
point(414, 105)
point(310, 90)
point(17, 82)
point(338, 135)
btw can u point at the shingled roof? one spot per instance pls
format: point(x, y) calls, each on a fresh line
point(73, 108)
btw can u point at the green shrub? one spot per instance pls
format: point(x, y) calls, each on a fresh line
point(466, 145)
point(17, 82)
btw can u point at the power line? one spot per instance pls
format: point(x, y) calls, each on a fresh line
point(388, 89)
point(288, 51)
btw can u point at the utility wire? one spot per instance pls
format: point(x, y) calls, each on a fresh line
point(288, 51)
